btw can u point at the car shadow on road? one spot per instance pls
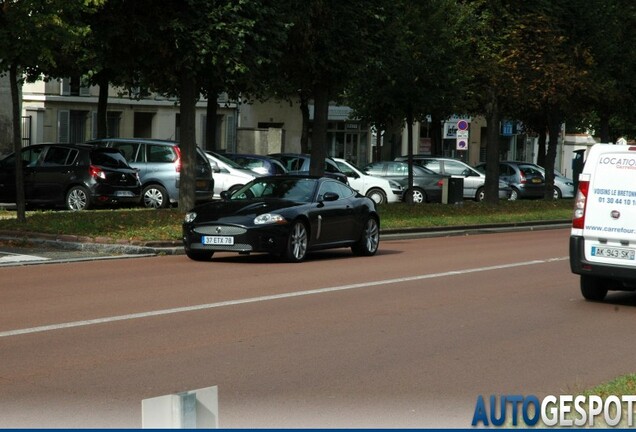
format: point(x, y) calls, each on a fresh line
point(326, 255)
point(621, 298)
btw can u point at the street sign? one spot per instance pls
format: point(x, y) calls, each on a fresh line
point(462, 144)
point(462, 125)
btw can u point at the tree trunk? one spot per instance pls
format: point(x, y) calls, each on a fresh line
point(554, 129)
point(210, 119)
point(319, 133)
point(437, 124)
point(605, 128)
point(541, 145)
point(102, 108)
point(17, 143)
point(491, 187)
point(304, 134)
point(188, 143)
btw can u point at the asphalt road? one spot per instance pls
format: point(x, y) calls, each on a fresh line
point(407, 338)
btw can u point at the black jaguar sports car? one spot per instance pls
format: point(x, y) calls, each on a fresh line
point(286, 216)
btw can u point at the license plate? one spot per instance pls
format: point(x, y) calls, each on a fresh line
point(124, 194)
point(610, 252)
point(218, 240)
point(202, 184)
point(536, 180)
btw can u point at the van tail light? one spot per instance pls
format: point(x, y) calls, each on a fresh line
point(177, 163)
point(578, 221)
point(96, 172)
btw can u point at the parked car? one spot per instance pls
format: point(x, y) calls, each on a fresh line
point(286, 216)
point(263, 165)
point(159, 165)
point(73, 175)
point(228, 175)
point(525, 180)
point(473, 180)
point(297, 163)
point(427, 185)
point(563, 186)
point(378, 189)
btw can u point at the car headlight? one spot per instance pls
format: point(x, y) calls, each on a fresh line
point(190, 217)
point(269, 218)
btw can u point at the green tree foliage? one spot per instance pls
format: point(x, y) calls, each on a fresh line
point(328, 41)
point(192, 46)
point(34, 36)
point(414, 70)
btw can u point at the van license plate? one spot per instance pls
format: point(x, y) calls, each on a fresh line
point(218, 240)
point(609, 252)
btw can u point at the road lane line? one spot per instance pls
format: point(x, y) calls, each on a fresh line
point(134, 316)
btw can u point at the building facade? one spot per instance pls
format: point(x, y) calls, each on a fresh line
point(60, 111)
point(64, 111)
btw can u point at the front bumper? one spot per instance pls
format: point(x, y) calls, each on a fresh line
point(266, 238)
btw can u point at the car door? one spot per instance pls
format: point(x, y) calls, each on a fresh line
point(7, 179)
point(335, 217)
point(48, 179)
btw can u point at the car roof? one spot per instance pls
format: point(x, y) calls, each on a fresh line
point(144, 140)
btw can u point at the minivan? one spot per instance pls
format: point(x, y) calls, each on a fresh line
point(603, 235)
point(159, 165)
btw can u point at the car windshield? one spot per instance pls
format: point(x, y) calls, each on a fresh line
point(292, 189)
point(226, 160)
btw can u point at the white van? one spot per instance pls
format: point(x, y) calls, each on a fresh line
point(603, 237)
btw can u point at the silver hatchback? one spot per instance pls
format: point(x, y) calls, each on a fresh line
point(473, 179)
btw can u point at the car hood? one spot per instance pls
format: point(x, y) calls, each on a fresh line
point(240, 211)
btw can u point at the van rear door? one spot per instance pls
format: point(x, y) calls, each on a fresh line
point(610, 217)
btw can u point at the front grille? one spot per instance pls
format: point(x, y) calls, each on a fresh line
point(234, 248)
point(220, 230)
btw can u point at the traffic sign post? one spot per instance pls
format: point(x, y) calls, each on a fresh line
point(462, 135)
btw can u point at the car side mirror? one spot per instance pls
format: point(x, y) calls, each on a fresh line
point(215, 167)
point(330, 196)
point(225, 195)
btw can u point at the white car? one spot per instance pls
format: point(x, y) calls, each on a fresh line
point(228, 175)
point(378, 189)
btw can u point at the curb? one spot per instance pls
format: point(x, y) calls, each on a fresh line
point(105, 244)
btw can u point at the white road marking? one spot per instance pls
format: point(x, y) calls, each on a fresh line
point(134, 316)
point(15, 258)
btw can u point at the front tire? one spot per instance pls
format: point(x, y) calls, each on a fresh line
point(78, 198)
point(416, 196)
point(480, 195)
point(369, 240)
point(155, 196)
point(377, 195)
point(556, 193)
point(199, 255)
point(593, 288)
point(297, 243)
